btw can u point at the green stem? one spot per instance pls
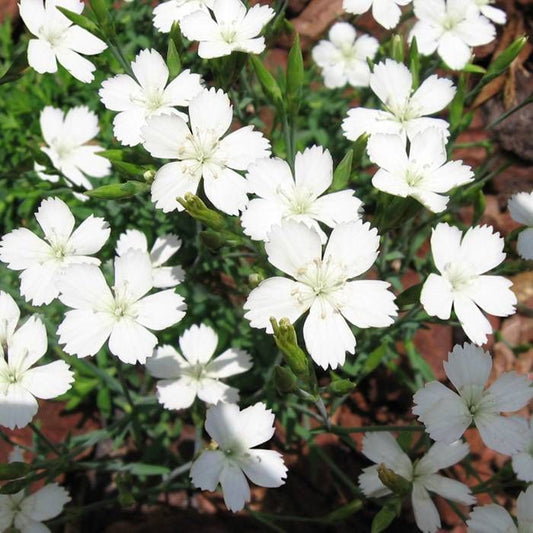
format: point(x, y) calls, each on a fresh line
point(45, 439)
point(365, 429)
point(134, 420)
point(289, 137)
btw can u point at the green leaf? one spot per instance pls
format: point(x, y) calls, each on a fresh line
point(268, 82)
point(81, 21)
point(16, 69)
point(344, 512)
point(473, 69)
point(341, 176)
point(418, 362)
point(295, 76)
point(480, 203)
point(143, 469)
point(409, 296)
point(173, 59)
point(375, 358)
point(397, 48)
point(119, 191)
point(414, 63)
point(12, 487)
point(385, 517)
point(14, 470)
point(101, 10)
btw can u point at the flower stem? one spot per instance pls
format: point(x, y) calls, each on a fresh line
point(365, 429)
point(134, 420)
point(44, 438)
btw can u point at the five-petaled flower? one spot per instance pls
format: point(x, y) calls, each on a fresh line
point(344, 58)
point(236, 434)
point(405, 111)
point(233, 29)
point(148, 95)
point(171, 11)
point(196, 372)
point(323, 284)
point(20, 384)
point(163, 249)
point(300, 198)
point(451, 28)
point(462, 284)
point(382, 448)
point(447, 414)
point(26, 513)
point(385, 12)
point(423, 174)
point(57, 39)
point(125, 315)
point(42, 261)
point(203, 150)
point(67, 136)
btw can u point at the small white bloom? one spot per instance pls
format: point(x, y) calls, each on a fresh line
point(299, 198)
point(451, 28)
point(323, 285)
point(424, 174)
point(382, 448)
point(41, 261)
point(234, 29)
point(67, 138)
point(405, 111)
point(237, 433)
point(462, 262)
point(147, 96)
point(495, 519)
point(196, 372)
point(523, 461)
point(167, 13)
point(125, 315)
point(521, 208)
point(447, 414)
point(162, 250)
point(498, 16)
point(57, 39)
point(385, 12)
point(26, 513)
point(20, 384)
point(203, 150)
point(343, 59)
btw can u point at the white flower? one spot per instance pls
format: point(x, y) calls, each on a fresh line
point(234, 28)
point(57, 39)
point(322, 284)
point(20, 384)
point(167, 13)
point(521, 208)
point(452, 28)
point(523, 460)
point(125, 315)
point(196, 373)
point(67, 137)
point(41, 261)
point(147, 96)
point(26, 513)
point(382, 448)
point(495, 519)
point(343, 59)
point(385, 12)
point(237, 433)
point(405, 110)
point(298, 198)
point(203, 151)
point(162, 250)
point(424, 174)
point(498, 16)
point(462, 262)
point(447, 414)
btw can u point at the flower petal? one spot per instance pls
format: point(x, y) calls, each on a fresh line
point(131, 342)
point(170, 183)
point(46, 503)
point(264, 468)
point(198, 344)
point(48, 381)
point(17, 407)
point(176, 393)
point(160, 310)
point(206, 470)
point(166, 363)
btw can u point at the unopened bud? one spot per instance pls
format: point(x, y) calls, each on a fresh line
point(396, 483)
point(149, 176)
point(285, 380)
point(255, 279)
point(198, 210)
point(340, 387)
point(286, 341)
point(212, 240)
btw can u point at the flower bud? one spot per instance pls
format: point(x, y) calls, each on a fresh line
point(285, 380)
point(199, 211)
point(396, 483)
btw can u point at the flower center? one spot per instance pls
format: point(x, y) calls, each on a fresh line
point(201, 148)
point(229, 33)
point(54, 36)
point(413, 178)
point(323, 276)
point(459, 275)
point(152, 99)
